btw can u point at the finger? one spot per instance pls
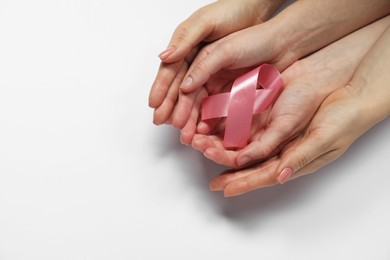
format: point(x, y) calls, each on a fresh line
point(220, 155)
point(318, 163)
point(186, 36)
point(169, 120)
point(183, 108)
point(299, 155)
point(164, 111)
point(184, 105)
point(165, 76)
point(188, 131)
point(270, 141)
point(210, 60)
point(213, 149)
point(268, 175)
point(253, 178)
point(201, 142)
point(205, 127)
point(229, 176)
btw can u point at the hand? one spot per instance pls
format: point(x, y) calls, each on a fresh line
point(308, 82)
point(300, 29)
point(327, 137)
point(344, 116)
point(208, 24)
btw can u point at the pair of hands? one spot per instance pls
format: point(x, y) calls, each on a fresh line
point(285, 135)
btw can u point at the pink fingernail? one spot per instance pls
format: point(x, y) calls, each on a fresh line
point(168, 52)
point(244, 160)
point(186, 83)
point(284, 175)
point(214, 186)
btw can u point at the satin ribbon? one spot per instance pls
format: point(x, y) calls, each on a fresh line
point(244, 100)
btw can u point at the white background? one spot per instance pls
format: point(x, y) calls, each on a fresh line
point(84, 174)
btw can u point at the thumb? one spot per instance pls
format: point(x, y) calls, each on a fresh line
point(299, 157)
point(270, 143)
point(210, 59)
point(186, 37)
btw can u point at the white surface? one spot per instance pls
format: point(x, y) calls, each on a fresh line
point(84, 174)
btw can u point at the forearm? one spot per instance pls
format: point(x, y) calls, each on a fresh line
point(309, 25)
point(240, 14)
point(371, 82)
point(333, 66)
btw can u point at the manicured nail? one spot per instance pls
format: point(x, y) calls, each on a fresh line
point(284, 175)
point(214, 186)
point(244, 160)
point(205, 155)
point(186, 83)
point(168, 52)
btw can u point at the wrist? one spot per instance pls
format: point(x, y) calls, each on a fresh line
point(303, 25)
point(267, 8)
point(374, 101)
point(315, 24)
point(282, 33)
point(261, 11)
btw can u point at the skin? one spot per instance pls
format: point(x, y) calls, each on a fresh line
point(306, 26)
point(207, 24)
point(307, 83)
point(344, 116)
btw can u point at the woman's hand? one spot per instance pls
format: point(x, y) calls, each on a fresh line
point(300, 29)
point(308, 83)
point(344, 116)
point(208, 24)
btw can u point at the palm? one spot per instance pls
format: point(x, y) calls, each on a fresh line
point(286, 118)
point(271, 130)
point(188, 108)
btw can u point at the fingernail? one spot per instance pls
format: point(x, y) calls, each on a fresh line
point(165, 54)
point(183, 138)
point(206, 155)
point(244, 160)
point(284, 175)
point(186, 83)
point(214, 187)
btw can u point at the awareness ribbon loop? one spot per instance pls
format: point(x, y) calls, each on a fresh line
point(243, 102)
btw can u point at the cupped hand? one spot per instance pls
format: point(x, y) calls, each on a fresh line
point(339, 121)
point(300, 29)
point(206, 25)
point(307, 83)
point(344, 116)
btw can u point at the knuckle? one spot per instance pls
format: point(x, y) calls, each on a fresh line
point(203, 16)
point(353, 89)
point(227, 50)
point(200, 69)
point(207, 50)
point(272, 178)
point(200, 15)
point(324, 140)
point(181, 32)
point(301, 159)
point(264, 151)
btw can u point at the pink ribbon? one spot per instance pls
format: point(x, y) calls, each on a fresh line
point(243, 102)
